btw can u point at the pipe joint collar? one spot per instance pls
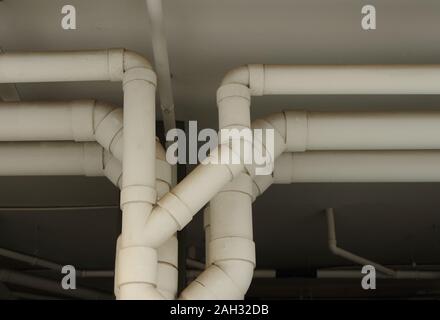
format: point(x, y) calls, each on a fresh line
point(232, 248)
point(176, 208)
point(233, 90)
point(138, 193)
point(211, 284)
point(256, 79)
point(137, 265)
point(296, 130)
point(115, 58)
point(139, 73)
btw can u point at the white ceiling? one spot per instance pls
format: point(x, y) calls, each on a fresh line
point(395, 223)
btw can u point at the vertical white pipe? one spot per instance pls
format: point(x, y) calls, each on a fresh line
point(138, 263)
point(161, 62)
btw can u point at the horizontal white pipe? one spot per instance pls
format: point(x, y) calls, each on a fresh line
point(399, 274)
point(395, 130)
point(50, 158)
point(104, 65)
point(345, 79)
point(358, 166)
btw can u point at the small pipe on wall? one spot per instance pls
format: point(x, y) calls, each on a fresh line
point(333, 246)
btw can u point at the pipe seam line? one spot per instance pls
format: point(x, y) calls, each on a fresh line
point(176, 208)
point(138, 193)
point(233, 90)
point(109, 127)
point(256, 79)
point(139, 73)
point(232, 248)
point(115, 60)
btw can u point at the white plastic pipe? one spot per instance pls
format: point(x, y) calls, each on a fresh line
point(230, 248)
point(395, 130)
point(176, 209)
point(56, 66)
point(51, 158)
point(357, 166)
point(137, 262)
point(161, 62)
point(338, 79)
point(79, 120)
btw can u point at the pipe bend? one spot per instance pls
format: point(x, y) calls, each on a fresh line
point(238, 75)
point(212, 284)
point(133, 59)
point(241, 272)
point(334, 248)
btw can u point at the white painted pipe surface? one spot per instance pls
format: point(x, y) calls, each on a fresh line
point(358, 166)
point(56, 66)
point(51, 158)
point(161, 62)
point(229, 237)
point(395, 130)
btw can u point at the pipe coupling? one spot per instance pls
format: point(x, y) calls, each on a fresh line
point(139, 73)
point(256, 79)
point(232, 248)
point(115, 58)
point(176, 208)
point(137, 265)
point(233, 90)
point(109, 127)
point(138, 193)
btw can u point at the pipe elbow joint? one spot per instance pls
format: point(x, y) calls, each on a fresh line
point(133, 59)
point(332, 245)
point(212, 284)
point(238, 75)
